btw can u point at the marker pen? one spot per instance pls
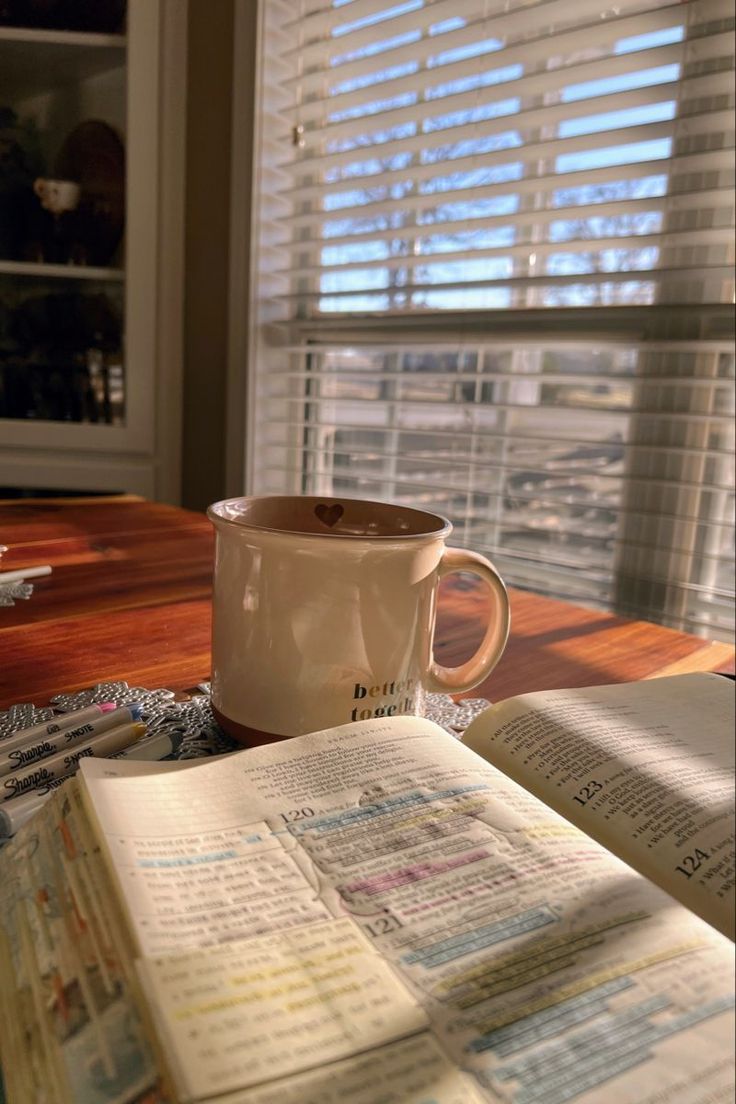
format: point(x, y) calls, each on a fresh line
point(31, 752)
point(22, 573)
point(15, 813)
point(152, 748)
point(65, 763)
point(56, 724)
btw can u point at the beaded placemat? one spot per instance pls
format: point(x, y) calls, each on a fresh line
point(11, 592)
point(190, 716)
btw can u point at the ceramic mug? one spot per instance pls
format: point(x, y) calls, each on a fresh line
point(324, 613)
point(57, 196)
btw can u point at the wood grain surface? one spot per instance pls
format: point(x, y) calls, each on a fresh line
point(129, 594)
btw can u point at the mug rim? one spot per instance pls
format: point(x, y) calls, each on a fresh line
point(441, 529)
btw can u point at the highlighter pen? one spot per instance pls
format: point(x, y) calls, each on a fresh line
point(16, 812)
point(56, 724)
point(32, 752)
point(65, 763)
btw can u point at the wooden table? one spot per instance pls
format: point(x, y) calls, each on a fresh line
point(129, 598)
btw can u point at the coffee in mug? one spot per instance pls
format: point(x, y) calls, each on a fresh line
point(324, 613)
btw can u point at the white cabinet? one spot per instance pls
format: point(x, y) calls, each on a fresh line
point(90, 347)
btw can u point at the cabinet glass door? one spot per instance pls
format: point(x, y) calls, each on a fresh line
point(63, 71)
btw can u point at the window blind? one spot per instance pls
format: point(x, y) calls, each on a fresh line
point(495, 277)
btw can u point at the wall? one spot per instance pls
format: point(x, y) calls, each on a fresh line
point(209, 80)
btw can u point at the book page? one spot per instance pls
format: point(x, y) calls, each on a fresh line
point(646, 768)
point(291, 1001)
point(547, 969)
point(413, 1071)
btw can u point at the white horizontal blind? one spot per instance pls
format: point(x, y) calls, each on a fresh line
point(475, 154)
point(498, 240)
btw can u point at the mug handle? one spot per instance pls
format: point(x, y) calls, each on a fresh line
point(454, 680)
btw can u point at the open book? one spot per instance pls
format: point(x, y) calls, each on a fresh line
point(381, 914)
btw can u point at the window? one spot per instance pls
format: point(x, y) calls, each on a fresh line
point(495, 277)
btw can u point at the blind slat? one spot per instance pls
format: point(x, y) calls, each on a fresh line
point(459, 345)
point(481, 376)
point(580, 409)
point(722, 274)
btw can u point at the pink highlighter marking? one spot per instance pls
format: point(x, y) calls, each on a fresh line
point(107, 707)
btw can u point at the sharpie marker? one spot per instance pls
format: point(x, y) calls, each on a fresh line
point(35, 750)
point(56, 724)
point(65, 763)
point(15, 813)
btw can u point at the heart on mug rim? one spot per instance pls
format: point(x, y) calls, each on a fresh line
point(329, 515)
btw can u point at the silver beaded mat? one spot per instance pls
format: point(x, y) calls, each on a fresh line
point(11, 592)
point(192, 718)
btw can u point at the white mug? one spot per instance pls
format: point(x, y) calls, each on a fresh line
point(324, 613)
point(57, 196)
